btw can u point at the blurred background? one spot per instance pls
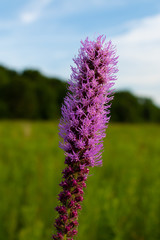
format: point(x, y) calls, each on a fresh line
point(38, 39)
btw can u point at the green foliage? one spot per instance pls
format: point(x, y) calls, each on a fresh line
point(128, 108)
point(150, 112)
point(125, 108)
point(31, 95)
point(121, 198)
point(22, 102)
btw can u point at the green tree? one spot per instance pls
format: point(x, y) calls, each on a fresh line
point(21, 99)
point(125, 108)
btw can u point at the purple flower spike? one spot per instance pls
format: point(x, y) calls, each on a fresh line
point(85, 114)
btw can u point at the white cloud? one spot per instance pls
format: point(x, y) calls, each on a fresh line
point(33, 11)
point(145, 31)
point(139, 61)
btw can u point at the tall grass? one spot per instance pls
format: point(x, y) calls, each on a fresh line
point(122, 199)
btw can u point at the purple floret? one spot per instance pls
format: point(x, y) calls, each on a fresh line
point(86, 108)
point(85, 114)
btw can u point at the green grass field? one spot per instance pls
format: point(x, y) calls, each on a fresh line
point(122, 199)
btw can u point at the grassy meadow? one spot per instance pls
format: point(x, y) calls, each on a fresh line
point(122, 199)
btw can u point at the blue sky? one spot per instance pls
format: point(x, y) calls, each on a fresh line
point(46, 34)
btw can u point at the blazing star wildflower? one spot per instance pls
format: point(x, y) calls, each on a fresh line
point(85, 114)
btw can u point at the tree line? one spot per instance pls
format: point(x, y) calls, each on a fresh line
point(31, 95)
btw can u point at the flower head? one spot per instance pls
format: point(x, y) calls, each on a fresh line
point(85, 114)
